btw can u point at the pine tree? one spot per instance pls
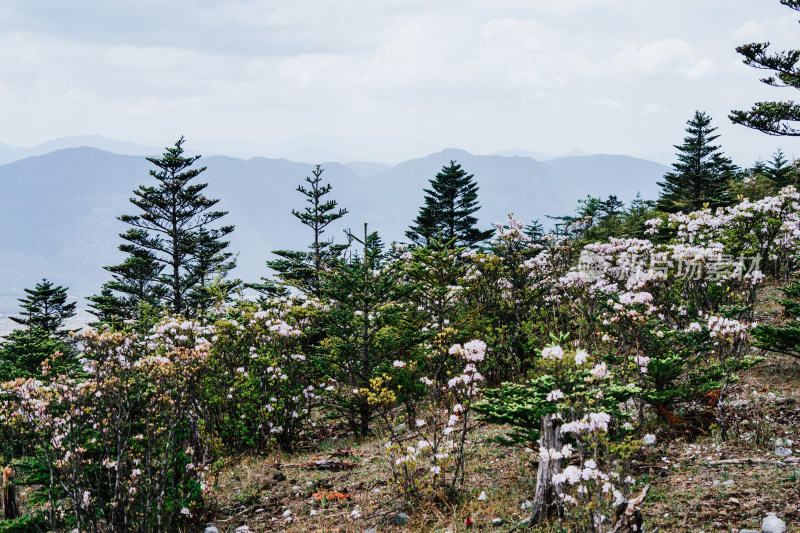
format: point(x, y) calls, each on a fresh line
point(363, 336)
point(772, 118)
point(209, 270)
point(702, 174)
point(449, 207)
point(134, 290)
point(780, 171)
point(44, 312)
point(302, 269)
point(170, 228)
point(45, 308)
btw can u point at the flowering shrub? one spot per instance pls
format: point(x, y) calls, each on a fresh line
point(655, 308)
point(119, 449)
point(561, 380)
point(768, 228)
point(262, 378)
point(575, 410)
point(430, 456)
point(509, 288)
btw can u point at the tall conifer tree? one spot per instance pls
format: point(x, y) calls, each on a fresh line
point(44, 312)
point(301, 269)
point(780, 171)
point(45, 308)
point(170, 243)
point(702, 174)
point(449, 207)
point(134, 288)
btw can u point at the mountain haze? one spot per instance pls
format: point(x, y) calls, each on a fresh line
point(58, 210)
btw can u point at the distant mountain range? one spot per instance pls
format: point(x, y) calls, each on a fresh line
point(58, 209)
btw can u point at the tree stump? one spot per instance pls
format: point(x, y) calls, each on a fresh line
point(628, 517)
point(546, 499)
point(8, 495)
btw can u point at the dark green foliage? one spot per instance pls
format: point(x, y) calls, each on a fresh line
point(210, 268)
point(23, 524)
point(780, 171)
point(783, 338)
point(598, 220)
point(23, 352)
point(363, 330)
point(535, 230)
point(302, 269)
point(702, 174)
point(449, 207)
point(633, 220)
point(523, 405)
point(45, 308)
point(170, 228)
point(772, 118)
point(134, 290)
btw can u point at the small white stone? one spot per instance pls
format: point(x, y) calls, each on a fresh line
point(773, 524)
point(287, 513)
point(780, 451)
point(483, 496)
point(526, 505)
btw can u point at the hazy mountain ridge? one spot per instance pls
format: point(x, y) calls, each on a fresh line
point(59, 209)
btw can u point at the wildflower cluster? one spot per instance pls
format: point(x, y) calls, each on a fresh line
point(576, 411)
point(122, 445)
point(261, 384)
point(436, 458)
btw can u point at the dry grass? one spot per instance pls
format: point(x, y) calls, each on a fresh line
point(687, 493)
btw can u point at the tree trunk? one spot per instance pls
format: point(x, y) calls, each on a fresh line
point(545, 501)
point(9, 495)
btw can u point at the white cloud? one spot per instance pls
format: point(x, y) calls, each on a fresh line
point(608, 103)
point(654, 109)
point(446, 73)
point(751, 31)
point(665, 57)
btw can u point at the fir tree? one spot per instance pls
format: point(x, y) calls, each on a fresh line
point(23, 351)
point(535, 230)
point(612, 207)
point(449, 207)
point(702, 174)
point(633, 220)
point(302, 269)
point(174, 214)
point(45, 308)
point(772, 118)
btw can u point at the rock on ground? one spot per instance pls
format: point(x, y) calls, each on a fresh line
point(772, 524)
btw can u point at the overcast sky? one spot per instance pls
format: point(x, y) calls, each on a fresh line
point(387, 80)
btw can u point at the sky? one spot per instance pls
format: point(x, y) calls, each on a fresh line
point(387, 80)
